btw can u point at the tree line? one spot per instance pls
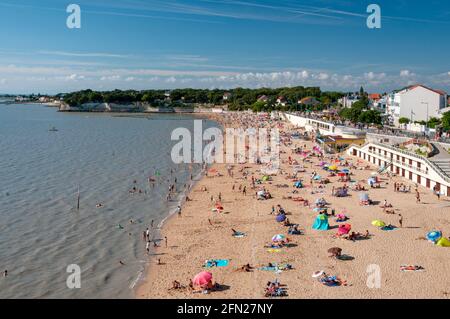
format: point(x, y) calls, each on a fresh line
point(237, 99)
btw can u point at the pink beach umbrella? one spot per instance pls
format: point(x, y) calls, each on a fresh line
point(202, 279)
point(344, 229)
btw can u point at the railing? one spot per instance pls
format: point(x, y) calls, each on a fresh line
point(394, 161)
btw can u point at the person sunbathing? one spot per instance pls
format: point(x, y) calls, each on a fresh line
point(176, 285)
point(246, 268)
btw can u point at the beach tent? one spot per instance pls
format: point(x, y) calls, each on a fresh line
point(371, 181)
point(363, 197)
point(280, 218)
point(320, 202)
point(434, 235)
point(298, 184)
point(378, 223)
point(321, 222)
point(341, 192)
point(443, 242)
point(278, 237)
point(202, 279)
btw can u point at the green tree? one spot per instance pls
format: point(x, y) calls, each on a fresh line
point(403, 120)
point(446, 121)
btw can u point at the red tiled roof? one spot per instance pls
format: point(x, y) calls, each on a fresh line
point(375, 96)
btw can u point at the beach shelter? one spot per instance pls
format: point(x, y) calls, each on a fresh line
point(202, 279)
point(344, 229)
point(280, 218)
point(443, 242)
point(298, 184)
point(371, 181)
point(434, 236)
point(321, 222)
point(378, 223)
point(278, 237)
point(363, 197)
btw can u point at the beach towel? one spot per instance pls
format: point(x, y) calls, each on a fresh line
point(239, 235)
point(273, 250)
point(216, 263)
point(443, 242)
point(411, 268)
point(387, 228)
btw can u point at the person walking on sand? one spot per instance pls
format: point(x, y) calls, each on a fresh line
point(147, 234)
point(244, 191)
point(400, 220)
point(178, 211)
point(147, 247)
point(165, 239)
point(417, 197)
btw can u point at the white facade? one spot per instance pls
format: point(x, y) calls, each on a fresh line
point(417, 103)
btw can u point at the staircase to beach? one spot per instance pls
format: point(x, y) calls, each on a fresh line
point(441, 159)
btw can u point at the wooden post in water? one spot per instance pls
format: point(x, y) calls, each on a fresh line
point(78, 198)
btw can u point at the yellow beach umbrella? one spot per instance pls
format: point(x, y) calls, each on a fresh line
point(333, 168)
point(378, 223)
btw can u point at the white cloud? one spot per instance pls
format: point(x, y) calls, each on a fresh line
point(130, 79)
point(406, 74)
point(110, 78)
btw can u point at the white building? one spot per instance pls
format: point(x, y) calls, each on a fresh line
point(416, 102)
point(348, 100)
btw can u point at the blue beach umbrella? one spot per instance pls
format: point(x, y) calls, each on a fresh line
point(434, 235)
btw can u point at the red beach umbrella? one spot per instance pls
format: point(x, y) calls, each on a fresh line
point(202, 279)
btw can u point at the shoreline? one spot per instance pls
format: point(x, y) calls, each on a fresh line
point(141, 282)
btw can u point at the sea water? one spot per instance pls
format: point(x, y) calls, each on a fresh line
point(99, 157)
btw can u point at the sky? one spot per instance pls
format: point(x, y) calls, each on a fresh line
point(165, 44)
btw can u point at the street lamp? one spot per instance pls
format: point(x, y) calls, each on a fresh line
point(427, 112)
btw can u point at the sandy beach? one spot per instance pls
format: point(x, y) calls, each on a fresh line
point(200, 234)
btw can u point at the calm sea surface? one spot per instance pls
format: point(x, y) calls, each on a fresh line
point(41, 231)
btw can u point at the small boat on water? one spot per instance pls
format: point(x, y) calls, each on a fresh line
point(53, 129)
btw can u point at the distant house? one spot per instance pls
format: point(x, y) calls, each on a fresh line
point(377, 102)
point(349, 99)
point(263, 98)
point(226, 96)
point(281, 100)
point(416, 102)
point(374, 96)
point(309, 101)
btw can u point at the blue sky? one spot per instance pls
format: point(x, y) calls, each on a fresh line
point(143, 44)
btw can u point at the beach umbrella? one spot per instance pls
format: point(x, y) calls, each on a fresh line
point(344, 229)
point(332, 168)
point(278, 237)
point(378, 223)
point(342, 174)
point(202, 279)
point(265, 178)
point(280, 218)
point(363, 197)
point(434, 235)
point(345, 170)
